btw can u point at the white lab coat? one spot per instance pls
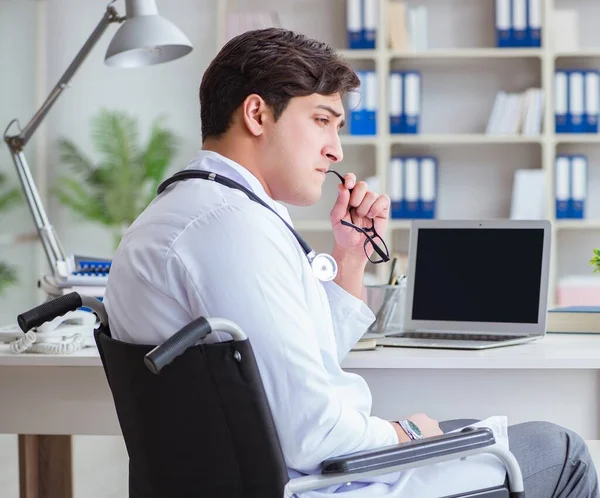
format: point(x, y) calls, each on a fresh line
point(205, 249)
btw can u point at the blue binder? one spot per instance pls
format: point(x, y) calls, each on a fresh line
point(578, 181)
point(519, 31)
point(562, 185)
point(371, 102)
point(427, 187)
point(396, 98)
point(591, 104)
point(503, 23)
point(370, 18)
point(362, 105)
point(576, 101)
point(411, 187)
point(356, 103)
point(396, 187)
point(561, 101)
point(354, 24)
point(534, 22)
point(412, 100)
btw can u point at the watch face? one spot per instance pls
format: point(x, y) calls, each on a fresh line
point(414, 427)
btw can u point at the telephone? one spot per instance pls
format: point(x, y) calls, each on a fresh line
point(63, 335)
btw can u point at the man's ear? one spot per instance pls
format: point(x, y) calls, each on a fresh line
point(255, 112)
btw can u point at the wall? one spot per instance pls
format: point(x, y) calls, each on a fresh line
point(17, 100)
point(169, 89)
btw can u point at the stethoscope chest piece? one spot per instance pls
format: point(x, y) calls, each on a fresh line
point(324, 266)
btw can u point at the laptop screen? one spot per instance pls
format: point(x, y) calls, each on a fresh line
point(471, 275)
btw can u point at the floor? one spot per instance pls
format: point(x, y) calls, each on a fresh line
point(100, 466)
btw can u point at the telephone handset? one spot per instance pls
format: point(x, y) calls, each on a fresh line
point(63, 335)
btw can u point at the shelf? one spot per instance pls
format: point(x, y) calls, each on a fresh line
point(584, 52)
point(578, 224)
point(358, 54)
point(464, 139)
point(359, 139)
point(456, 53)
point(469, 53)
point(577, 138)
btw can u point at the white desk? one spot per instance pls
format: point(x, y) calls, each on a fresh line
point(556, 379)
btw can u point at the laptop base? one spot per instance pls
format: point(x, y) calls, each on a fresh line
point(453, 341)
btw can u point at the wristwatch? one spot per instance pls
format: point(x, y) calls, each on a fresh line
point(411, 429)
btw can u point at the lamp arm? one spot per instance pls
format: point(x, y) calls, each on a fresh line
point(16, 143)
point(109, 17)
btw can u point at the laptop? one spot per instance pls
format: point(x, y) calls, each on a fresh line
point(475, 284)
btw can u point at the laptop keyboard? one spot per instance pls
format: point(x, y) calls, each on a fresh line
point(456, 337)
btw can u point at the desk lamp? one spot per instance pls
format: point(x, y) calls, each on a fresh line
point(144, 39)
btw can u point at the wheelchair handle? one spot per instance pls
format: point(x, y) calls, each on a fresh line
point(59, 306)
point(187, 336)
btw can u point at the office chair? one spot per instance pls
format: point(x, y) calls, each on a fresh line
point(196, 421)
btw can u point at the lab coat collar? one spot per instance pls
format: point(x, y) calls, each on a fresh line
point(209, 160)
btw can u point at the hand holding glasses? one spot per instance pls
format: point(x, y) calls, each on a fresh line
point(371, 235)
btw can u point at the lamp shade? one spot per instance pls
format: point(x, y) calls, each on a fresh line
point(145, 38)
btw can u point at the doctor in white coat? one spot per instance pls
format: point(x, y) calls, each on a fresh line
point(271, 109)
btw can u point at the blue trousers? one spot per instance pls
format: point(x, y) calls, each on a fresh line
point(555, 462)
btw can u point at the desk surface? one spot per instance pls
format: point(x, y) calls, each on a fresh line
point(555, 351)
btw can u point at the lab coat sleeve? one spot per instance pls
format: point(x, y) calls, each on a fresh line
point(258, 285)
point(351, 317)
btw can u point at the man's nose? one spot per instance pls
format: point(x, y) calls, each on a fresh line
point(334, 152)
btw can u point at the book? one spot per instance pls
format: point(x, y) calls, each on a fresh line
point(574, 319)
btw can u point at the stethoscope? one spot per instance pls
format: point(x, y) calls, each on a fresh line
point(323, 265)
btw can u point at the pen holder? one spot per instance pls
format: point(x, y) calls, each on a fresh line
point(387, 303)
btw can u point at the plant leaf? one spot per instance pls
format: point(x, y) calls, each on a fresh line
point(119, 185)
point(71, 193)
point(8, 276)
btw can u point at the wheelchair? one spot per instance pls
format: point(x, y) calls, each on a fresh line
point(196, 421)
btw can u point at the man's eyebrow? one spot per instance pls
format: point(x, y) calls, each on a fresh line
point(332, 111)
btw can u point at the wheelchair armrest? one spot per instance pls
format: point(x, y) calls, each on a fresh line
point(413, 451)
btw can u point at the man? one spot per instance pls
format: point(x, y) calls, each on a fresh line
point(271, 109)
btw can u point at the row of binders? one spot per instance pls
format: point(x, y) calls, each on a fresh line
point(576, 95)
point(362, 18)
point(517, 113)
point(412, 186)
point(570, 185)
point(518, 23)
point(404, 103)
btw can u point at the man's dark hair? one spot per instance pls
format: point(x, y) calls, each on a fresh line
point(276, 64)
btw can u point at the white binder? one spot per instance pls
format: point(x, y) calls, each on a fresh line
point(395, 99)
point(562, 186)
point(371, 91)
point(396, 186)
point(428, 184)
point(519, 22)
point(535, 22)
point(592, 87)
point(412, 100)
point(354, 23)
point(560, 101)
point(411, 194)
point(576, 100)
point(578, 186)
point(371, 20)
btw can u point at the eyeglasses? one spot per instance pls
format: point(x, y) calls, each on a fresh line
point(371, 235)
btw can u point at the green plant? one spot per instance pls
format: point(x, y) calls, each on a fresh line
point(8, 275)
point(116, 189)
point(595, 261)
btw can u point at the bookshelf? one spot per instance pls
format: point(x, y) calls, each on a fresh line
point(457, 138)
